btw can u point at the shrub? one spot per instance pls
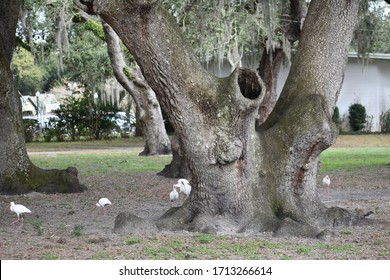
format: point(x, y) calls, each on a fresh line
point(83, 116)
point(50, 130)
point(31, 129)
point(384, 121)
point(357, 116)
point(336, 117)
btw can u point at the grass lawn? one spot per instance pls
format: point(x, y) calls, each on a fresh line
point(354, 158)
point(102, 161)
point(349, 153)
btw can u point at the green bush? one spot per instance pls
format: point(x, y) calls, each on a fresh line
point(85, 117)
point(357, 116)
point(384, 121)
point(31, 129)
point(336, 117)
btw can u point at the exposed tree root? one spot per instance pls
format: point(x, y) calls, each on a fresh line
point(175, 220)
point(45, 181)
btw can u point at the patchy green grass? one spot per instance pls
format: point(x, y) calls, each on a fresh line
point(101, 256)
point(223, 247)
point(37, 224)
point(204, 238)
point(133, 241)
point(345, 231)
point(77, 230)
point(303, 250)
point(49, 256)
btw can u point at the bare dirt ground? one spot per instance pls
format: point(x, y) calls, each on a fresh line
point(69, 226)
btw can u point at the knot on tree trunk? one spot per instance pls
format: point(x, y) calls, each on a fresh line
point(228, 151)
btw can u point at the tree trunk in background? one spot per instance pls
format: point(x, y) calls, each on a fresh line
point(148, 109)
point(246, 178)
point(178, 167)
point(17, 173)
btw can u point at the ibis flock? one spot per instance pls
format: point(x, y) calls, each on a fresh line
point(20, 209)
point(182, 185)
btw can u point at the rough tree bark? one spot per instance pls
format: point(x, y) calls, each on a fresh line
point(178, 167)
point(148, 109)
point(17, 173)
point(246, 178)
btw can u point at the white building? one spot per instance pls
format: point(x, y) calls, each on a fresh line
point(366, 82)
point(41, 105)
point(368, 85)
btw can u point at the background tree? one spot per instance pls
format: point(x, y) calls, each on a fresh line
point(77, 52)
point(371, 34)
point(87, 61)
point(246, 178)
point(17, 173)
point(148, 109)
point(28, 75)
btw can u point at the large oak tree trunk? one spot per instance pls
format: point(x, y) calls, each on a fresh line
point(17, 173)
point(245, 177)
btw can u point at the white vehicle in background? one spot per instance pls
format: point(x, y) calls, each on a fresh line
point(44, 121)
point(123, 122)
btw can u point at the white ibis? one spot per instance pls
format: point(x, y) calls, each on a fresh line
point(184, 186)
point(19, 209)
point(174, 195)
point(326, 182)
point(103, 202)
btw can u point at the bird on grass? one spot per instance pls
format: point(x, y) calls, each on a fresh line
point(173, 195)
point(19, 209)
point(326, 182)
point(103, 202)
point(184, 187)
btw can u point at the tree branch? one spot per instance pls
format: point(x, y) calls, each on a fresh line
point(9, 12)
